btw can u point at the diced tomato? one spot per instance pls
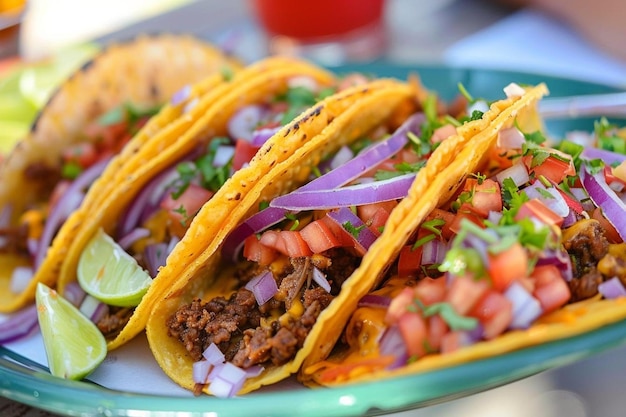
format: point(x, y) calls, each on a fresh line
point(319, 237)
point(453, 341)
point(183, 209)
point(502, 158)
point(486, 196)
point(375, 215)
point(413, 329)
point(244, 151)
point(431, 290)
point(535, 208)
point(572, 203)
point(464, 293)
point(399, 305)
point(437, 329)
point(550, 288)
point(495, 313)
point(609, 230)
point(506, 266)
point(465, 213)
point(340, 233)
point(448, 219)
point(254, 251)
point(553, 168)
point(83, 154)
point(409, 261)
point(287, 242)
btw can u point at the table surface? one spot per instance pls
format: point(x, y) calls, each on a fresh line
point(454, 32)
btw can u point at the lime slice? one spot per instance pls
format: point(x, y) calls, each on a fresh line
point(110, 274)
point(74, 345)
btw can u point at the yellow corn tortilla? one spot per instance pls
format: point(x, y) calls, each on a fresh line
point(208, 277)
point(146, 72)
point(210, 116)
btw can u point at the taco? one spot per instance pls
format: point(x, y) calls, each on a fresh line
point(526, 249)
point(149, 211)
point(253, 305)
point(82, 128)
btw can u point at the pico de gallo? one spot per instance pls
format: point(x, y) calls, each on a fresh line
point(542, 226)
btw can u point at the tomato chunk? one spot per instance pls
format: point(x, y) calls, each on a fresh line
point(244, 151)
point(506, 266)
point(319, 236)
point(535, 208)
point(413, 329)
point(495, 313)
point(550, 288)
point(409, 261)
point(254, 251)
point(464, 293)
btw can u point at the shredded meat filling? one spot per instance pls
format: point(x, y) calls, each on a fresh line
point(249, 334)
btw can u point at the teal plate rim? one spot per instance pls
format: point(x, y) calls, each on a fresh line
point(28, 384)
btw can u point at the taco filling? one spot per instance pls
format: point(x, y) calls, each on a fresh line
point(539, 228)
point(290, 259)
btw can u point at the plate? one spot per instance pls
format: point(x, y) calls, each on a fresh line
point(34, 386)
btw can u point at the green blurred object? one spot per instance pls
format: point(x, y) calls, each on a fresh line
point(25, 89)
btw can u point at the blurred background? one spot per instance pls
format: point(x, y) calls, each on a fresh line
point(44, 40)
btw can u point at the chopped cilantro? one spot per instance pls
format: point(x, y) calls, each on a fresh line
point(434, 225)
point(465, 93)
point(423, 240)
point(352, 229)
point(454, 320)
point(71, 170)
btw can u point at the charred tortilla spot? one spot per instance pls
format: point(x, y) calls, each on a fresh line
point(154, 90)
point(237, 197)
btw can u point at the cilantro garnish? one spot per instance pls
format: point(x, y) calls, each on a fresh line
point(434, 225)
point(454, 320)
point(71, 170)
point(352, 229)
point(607, 138)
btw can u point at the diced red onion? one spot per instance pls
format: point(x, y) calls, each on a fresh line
point(74, 293)
point(343, 155)
point(320, 279)
point(226, 380)
point(478, 105)
point(613, 208)
point(344, 215)
point(33, 245)
point(200, 371)
point(181, 95)
point(526, 308)
point(612, 288)
point(607, 157)
point(69, 201)
point(213, 354)
point(514, 90)
point(570, 219)
point(19, 325)
point(510, 138)
point(263, 286)
point(155, 256)
point(494, 216)
point(517, 172)
point(245, 121)
point(254, 371)
point(260, 136)
point(223, 155)
point(554, 202)
point(374, 300)
point(433, 252)
point(391, 343)
point(353, 195)
point(127, 241)
point(617, 186)
point(20, 278)
point(93, 308)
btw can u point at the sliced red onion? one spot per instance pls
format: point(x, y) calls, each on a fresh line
point(69, 201)
point(147, 200)
point(607, 157)
point(226, 380)
point(128, 240)
point(181, 95)
point(155, 256)
point(510, 138)
point(19, 325)
point(200, 371)
point(526, 308)
point(93, 308)
point(74, 293)
point(612, 288)
point(517, 172)
point(263, 286)
point(613, 208)
point(213, 354)
point(433, 252)
point(245, 121)
point(223, 155)
point(260, 136)
point(345, 216)
point(374, 300)
point(352, 195)
point(320, 279)
point(20, 278)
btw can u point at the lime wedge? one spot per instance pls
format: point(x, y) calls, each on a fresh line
point(110, 274)
point(74, 345)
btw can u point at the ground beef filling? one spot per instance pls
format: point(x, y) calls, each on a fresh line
point(586, 244)
point(112, 323)
point(249, 334)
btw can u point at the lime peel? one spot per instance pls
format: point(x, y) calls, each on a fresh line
point(74, 345)
point(108, 273)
